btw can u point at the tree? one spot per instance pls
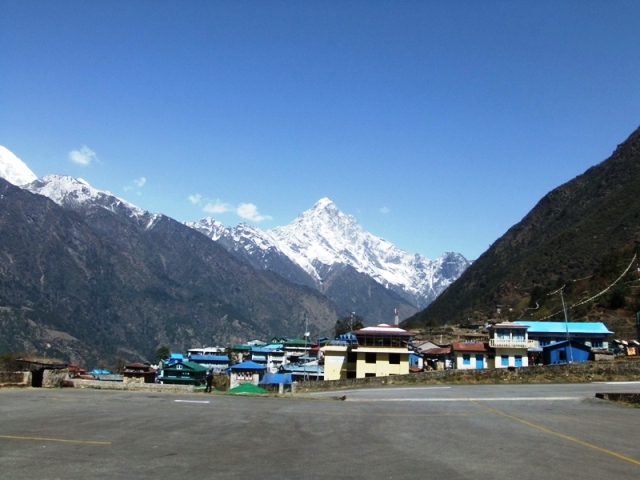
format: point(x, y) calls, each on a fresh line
point(349, 324)
point(162, 353)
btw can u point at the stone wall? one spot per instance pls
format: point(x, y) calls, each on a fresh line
point(565, 373)
point(52, 378)
point(135, 387)
point(15, 379)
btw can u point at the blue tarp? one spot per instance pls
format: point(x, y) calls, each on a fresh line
point(276, 379)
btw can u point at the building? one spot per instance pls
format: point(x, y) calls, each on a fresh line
point(438, 358)
point(510, 344)
point(592, 334)
point(217, 363)
point(565, 352)
point(138, 373)
point(182, 372)
point(245, 372)
point(376, 351)
point(271, 356)
point(470, 356)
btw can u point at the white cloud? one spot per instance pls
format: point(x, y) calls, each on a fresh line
point(195, 199)
point(136, 185)
point(385, 210)
point(249, 211)
point(83, 156)
point(217, 207)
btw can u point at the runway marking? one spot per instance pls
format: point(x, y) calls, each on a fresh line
point(192, 401)
point(60, 440)
point(617, 383)
point(497, 399)
point(561, 435)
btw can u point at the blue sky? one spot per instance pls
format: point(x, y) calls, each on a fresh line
point(437, 124)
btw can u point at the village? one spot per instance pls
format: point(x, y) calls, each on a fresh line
point(375, 351)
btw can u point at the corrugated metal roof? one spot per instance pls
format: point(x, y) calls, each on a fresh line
point(561, 327)
point(509, 325)
point(469, 347)
point(210, 358)
point(248, 365)
point(383, 328)
point(437, 351)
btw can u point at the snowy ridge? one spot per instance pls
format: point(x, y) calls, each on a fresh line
point(323, 236)
point(13, 169)
point(76, 193)
point(304, 251)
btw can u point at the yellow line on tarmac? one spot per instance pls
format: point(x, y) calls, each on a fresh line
point(561, 435)
point(61, 440)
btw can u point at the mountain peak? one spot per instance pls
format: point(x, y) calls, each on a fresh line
point(13, 169)
point(323, 203)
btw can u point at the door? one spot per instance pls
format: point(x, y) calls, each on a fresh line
point(479, 361)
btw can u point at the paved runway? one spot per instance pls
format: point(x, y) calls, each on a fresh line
point(457, 432)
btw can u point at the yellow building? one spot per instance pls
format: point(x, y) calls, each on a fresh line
point(376, 351)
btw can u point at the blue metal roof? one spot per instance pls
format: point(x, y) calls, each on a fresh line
point(268, 349)
point(561, 327)
point(248, 365)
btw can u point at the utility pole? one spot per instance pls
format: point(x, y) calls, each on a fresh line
point(566, 324)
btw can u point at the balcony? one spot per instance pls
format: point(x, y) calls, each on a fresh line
point(511, 343)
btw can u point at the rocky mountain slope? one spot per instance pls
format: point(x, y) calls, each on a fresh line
point(95, 280)
point(583, 236)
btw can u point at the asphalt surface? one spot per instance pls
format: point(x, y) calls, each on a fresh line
point(458, 432)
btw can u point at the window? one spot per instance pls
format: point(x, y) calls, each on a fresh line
point(596, 343)
point(466, 359)
point(369, 375)
point(394, 358)
point(370, 358)
point(504, 360)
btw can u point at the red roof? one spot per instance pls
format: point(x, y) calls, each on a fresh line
point(437, 351)
point(469, 347)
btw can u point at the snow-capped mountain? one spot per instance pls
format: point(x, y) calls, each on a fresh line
point(77, 194)
point(13, 169)
point(324, 236)
point(255, 247)
point(323, 240)
point(323, 248)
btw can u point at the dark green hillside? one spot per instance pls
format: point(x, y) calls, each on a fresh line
point(584, 234)
point(95, 286)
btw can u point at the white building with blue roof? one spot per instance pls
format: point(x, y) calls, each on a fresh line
point(543, 333)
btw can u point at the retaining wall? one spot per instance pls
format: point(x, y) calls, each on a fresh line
point(565, 373)
point(15, 379)
point(136, 387)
